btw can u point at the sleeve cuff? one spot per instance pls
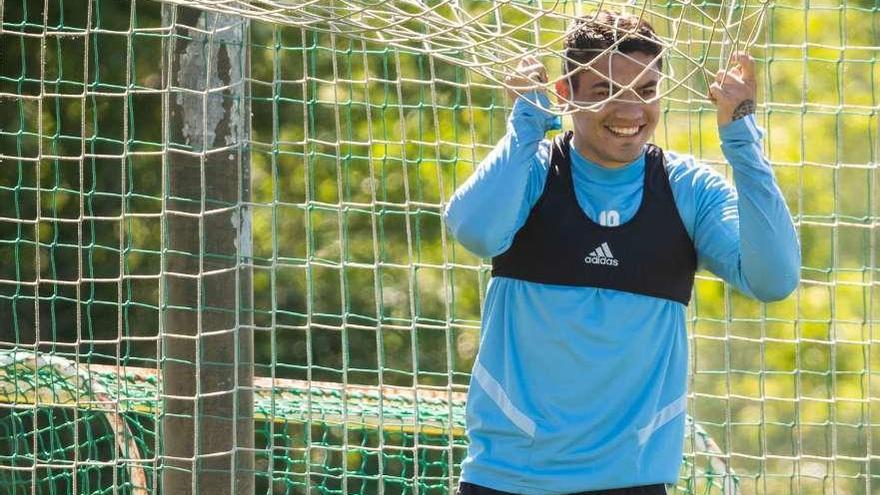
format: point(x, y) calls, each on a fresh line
point(740, 130)
point(536, 110)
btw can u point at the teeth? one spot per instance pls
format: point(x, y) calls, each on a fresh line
point(624, 131)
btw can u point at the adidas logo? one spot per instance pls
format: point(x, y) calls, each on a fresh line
point(601, 256)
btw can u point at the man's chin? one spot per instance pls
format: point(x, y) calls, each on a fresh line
point(626, 156)
point(615, 156)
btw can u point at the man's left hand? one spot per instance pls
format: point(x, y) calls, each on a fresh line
point(734, 91)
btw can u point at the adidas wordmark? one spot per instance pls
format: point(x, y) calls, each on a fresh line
point(601, 256)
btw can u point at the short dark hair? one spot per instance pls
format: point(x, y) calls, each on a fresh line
point(594, 33)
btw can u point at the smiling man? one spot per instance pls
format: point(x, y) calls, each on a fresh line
point(580, 382)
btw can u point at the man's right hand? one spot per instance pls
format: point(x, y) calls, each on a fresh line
point(529, 75)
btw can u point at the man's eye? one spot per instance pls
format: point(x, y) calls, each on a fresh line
point(649, 92)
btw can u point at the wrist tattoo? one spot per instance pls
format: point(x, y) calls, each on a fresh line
point(745, 108)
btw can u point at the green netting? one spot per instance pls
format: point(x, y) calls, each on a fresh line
point(353, 145)
point(320, 435)
point(310, 434)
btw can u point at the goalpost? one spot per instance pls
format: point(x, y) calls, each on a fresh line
point(223, 266)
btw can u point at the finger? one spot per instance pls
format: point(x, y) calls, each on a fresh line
point(535, 74)
point(716, 92)
point(543, 71)
point(528, 69)
point(747, 65)
point(542, 74)
point(735, 76)
point(730, 75)
point(536, 66)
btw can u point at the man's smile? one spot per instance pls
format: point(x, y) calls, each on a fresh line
point(624, 131)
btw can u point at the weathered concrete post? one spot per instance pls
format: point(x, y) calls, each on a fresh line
point(207, 428)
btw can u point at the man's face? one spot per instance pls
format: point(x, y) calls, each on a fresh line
point(615, 134)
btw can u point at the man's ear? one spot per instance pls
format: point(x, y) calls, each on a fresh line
point(563, 89)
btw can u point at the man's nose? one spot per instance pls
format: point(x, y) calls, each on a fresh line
point(629, 108)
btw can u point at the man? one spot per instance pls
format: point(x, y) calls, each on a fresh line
point(580, 382)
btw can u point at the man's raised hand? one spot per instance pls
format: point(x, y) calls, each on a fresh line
point(529, 75)
point(734, 91)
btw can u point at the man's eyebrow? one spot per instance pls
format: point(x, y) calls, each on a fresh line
point(617, 87)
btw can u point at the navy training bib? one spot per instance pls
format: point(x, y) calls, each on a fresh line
point(651, 254)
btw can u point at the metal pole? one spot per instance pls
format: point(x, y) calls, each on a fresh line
point(207, 423)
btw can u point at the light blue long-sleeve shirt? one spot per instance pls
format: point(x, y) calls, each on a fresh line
point(580, 388)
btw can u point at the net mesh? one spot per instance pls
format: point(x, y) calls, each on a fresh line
point(108, 413)
point(364, 117)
